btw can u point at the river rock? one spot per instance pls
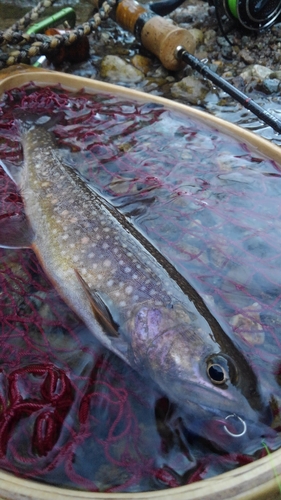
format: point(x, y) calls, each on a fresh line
point(115, 69)
point(190, 89)
point(257, 72)
point(275, 74)
point(270, 85)
point(142, 63)
point(246, 56)
point(260, 72)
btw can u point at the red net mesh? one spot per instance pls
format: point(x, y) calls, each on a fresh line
point(73, 414)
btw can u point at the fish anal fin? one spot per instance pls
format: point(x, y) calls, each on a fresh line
point(100, 309)
point(15, 232)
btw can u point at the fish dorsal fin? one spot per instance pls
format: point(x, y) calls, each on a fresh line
point(100, 309)
point(15, 232)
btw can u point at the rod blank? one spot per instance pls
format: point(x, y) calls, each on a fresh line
point(248, 103)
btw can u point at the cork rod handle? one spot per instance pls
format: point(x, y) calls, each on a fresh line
point(162, 37)
point(157, 34)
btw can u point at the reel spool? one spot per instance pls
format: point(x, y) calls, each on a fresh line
point(253, 14)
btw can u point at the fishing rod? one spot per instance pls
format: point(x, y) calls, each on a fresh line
point(175, 46)
point(248, 103)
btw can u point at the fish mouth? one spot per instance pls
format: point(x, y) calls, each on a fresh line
point(242, 426)
point(231, 432)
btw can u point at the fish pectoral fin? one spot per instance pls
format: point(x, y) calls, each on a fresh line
point(15, 232)
point(100, 309)
point(13, 171)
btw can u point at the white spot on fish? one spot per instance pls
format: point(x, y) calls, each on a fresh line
point(65, 236)
point(110, 282)
point(127, 269)
point(91, 255)
point(122, 303)
point(105, 246)
point(128, 289)
point(107, 263)
point(85, 240)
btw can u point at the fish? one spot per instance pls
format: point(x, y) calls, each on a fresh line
point(132, 299)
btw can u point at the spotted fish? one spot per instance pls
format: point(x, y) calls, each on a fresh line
point(129, 296)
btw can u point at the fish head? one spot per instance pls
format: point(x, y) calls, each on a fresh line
point(178, 351)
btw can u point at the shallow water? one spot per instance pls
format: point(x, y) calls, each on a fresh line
point(212, 207)
point(234, 113)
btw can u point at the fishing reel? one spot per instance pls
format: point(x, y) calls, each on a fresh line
point(251, 14)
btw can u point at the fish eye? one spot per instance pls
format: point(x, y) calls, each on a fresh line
point(217, 373)
point(221, 369)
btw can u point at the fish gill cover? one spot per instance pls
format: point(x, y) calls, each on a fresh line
point(71, 413)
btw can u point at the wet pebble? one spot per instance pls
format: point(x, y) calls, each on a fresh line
point(190, 89)
point(256, 72)
point(269, 86)
point(246, 56)
point(142, 63)
point(115, 69)
point(276, 74)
